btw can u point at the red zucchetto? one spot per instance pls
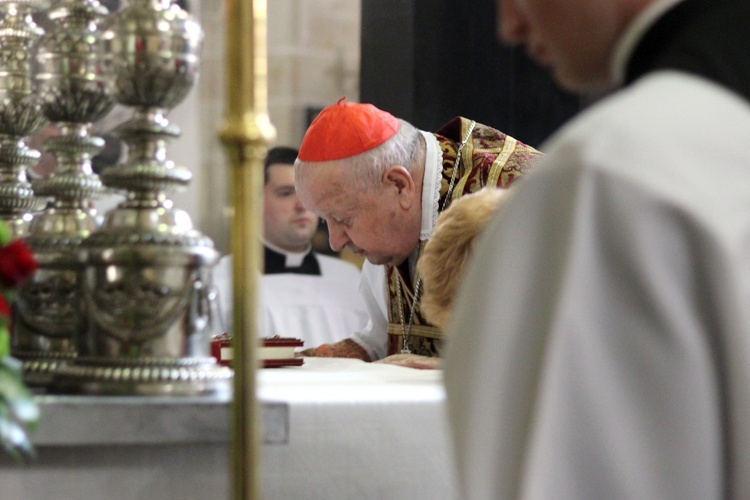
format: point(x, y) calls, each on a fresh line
point(346, 129)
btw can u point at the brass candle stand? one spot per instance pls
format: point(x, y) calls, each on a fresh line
point(246, 135)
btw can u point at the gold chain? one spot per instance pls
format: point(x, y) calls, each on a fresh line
point(457, 164)
point(406, 332)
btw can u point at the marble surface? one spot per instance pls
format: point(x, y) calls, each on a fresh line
point(105, 420)
point(123, 420)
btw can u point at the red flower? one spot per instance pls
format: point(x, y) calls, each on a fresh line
point(16, 263)
point(4, 307)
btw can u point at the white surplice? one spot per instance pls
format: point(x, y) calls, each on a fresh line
point(600, 345)
point(317, 309)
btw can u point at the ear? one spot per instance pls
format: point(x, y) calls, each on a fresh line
point(399, 179)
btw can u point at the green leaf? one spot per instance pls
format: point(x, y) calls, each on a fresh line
point(4, 339)
point(15, 440)
point(5, 235)
point(19, 412)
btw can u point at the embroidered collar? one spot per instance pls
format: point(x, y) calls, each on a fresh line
point(433, 168)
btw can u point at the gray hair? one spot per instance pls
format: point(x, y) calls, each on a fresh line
point(366, 169)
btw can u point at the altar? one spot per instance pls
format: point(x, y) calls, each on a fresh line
point(332, 428)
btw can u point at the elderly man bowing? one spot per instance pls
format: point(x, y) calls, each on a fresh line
point(380, 183)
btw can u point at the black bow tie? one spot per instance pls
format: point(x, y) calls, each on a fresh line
point(275, 263)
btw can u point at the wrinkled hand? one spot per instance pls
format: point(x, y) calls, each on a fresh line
point(346, 348)
point(413, 361)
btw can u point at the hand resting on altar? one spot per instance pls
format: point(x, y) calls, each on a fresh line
point(412, 361)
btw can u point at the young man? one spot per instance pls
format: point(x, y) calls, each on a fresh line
point(380, 184)
point(303, 294)
point(604, 348)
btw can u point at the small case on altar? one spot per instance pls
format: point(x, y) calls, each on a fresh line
point(274, 351)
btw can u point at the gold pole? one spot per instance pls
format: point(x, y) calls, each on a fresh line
point(246, 135)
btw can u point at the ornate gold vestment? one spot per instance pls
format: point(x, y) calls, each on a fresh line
point(487, 157)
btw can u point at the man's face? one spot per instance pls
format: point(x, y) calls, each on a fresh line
point(286, 222)
point(370, 222)
point(574, 39)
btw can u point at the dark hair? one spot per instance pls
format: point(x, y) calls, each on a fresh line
point(279, 154)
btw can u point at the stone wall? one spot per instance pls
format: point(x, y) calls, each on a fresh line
point(313, 59)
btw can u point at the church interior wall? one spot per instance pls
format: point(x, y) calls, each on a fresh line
point(313, 59)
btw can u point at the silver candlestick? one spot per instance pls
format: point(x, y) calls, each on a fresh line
point(73, 94)
point(20, 113)
point(147, 272)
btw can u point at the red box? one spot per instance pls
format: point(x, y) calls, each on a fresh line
point(274, 351)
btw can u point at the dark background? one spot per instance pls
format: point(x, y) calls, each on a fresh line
point(427, 61)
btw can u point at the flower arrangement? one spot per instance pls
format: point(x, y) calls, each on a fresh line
point(18, 411)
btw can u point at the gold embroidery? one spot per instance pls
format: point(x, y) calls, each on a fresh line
point(480, 157)
point(496, 169)
point(431, 332)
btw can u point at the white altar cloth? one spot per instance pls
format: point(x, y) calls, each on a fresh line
point(332, 429)
point(358, 430)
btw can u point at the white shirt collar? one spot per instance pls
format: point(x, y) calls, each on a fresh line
point(293, 259)
point(433, 169)
point(633, 34)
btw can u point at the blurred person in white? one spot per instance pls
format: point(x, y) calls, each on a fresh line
point(602, 350)
point(303, 294)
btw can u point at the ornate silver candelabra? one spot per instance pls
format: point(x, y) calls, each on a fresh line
point(20, 113)
point(73, 93)
point(146, 279)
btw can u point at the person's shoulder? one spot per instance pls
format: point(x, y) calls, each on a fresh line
point(452, 128)
point(648, 117)
point(645, 136)
point(457, 127)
